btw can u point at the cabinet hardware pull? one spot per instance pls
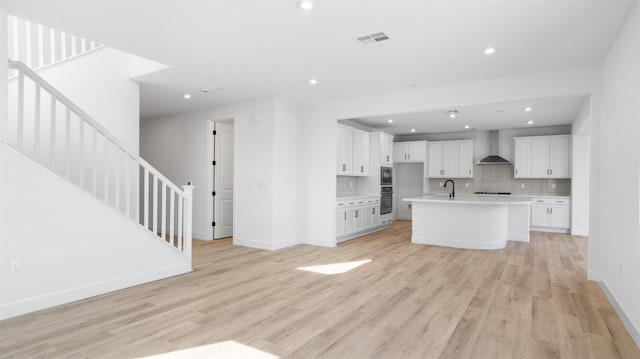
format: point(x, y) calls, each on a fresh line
point(345, 216)
point(516, 171)
point(469, 171)
point(387, 158)
point(551, 171)
point(374, 210)
point(356, 213)
point(409, 156)
point(550, 210)
point(362, 169)
point(344, 167)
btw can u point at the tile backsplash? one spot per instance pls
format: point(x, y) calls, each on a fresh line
point(499, 178)
point(346, 186)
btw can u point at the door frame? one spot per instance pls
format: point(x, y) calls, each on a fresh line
point(210, 174)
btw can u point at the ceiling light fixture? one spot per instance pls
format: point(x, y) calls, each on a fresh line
point(306, 5)
point(466, 127)
point(413, 130)
point(187, 96)
point(530, 122)
point(390, 120)
point(453, 113)
point(490, 51)
point(528, 109)
point(313, 82)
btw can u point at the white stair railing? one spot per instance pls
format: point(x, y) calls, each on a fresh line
point(38, 46)
point(46, 126)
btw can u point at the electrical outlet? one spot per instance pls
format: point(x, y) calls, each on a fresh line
point(466, 185)
point(15, 265)
point(440, 184)
point(553, 186)
point(521, 185)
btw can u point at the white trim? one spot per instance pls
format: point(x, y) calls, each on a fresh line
point(199, 236)
point(634, 332)
point(28, 305)
point(519, 237)
point(252, 244)
point(593, 276)
point(319, 242)
point(549, 230)
point(458, 244)
point(579, 232)
point(282, 245)
point(361, 233)
point(53, 64)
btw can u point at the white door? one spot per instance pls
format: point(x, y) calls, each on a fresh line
point(359, 218)
point(559, 157)
point(416, 151)
point(521, 159)
point(539, 215)
point(450, 159)
point(435, 160)
point(350, 222)
point(344, 151)
point(559, 217)
point(399, 152)
point(223, 181)
point(361, 154)
point(341, 222)
point(539, 157)
point(465, 159)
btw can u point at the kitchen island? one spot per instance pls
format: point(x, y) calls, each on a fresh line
point(472, 222)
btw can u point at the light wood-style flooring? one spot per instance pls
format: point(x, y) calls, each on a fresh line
point(530, 300)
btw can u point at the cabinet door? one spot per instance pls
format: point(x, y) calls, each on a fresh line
point(522, 164)
point(345, 151)
point(360, 153)
point(350, 222)
point(416, 151)
point(559, 157)
point(465, 159)
point(539, 157)
point(359, 216)
point(386, 149)
point(559, 216)
point(341, 222)
point(372, 216)
point(450, 159)
point(539, 215)
point(399, 152)
point(435, 160)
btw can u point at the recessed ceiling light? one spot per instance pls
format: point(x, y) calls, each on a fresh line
point(313, 81)
point(413, 130)
point(453, 113)
point(390, 120)
point(306, 4)
point(466, 127)
point(187, 96)
point(528, 109)
point(490, 51)
point(530, 122)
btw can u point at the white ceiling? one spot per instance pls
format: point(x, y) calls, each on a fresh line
point(257, 48)
point(498, 116)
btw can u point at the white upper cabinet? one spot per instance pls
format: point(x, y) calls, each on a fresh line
point(450, 159)
point(386, 149)
point(410, 152)
point(345, 151)
point(353, 152)
point(542, 157)
point(361, 148)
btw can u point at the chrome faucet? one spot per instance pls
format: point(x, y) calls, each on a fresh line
point(453, 189)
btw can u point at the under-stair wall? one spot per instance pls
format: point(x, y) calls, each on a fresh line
point(75, 218)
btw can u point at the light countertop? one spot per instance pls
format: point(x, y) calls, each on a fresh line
point(470, 199)
point(361, 196)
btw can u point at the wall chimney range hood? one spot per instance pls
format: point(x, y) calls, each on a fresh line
point(494, 146)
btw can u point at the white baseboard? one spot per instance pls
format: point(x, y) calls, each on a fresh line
point(593, 276)
point(282, 245)
point(631, 328)
point(458, 244)
point(579, 232)
point(320, 242)
point(28, 305)
point(550, 230)
point(251, 244)
point(200, 235)
point(519, 237)
point(362, 233)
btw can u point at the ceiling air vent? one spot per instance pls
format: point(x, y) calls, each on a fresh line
point(375, 38)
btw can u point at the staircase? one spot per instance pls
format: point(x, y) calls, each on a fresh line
point(52, 134)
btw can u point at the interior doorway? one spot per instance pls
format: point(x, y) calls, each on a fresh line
point(221, 178)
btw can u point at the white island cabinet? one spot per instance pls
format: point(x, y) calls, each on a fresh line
point(469, 222)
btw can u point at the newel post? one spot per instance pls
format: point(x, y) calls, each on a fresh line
point(188, 223)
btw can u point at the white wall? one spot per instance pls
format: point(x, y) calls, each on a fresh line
point(614, 252)
point(267, 176)
point(580, 166)
point(69, 245)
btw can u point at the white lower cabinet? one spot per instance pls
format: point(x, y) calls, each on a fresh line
point(550, 214)
point(357, 216)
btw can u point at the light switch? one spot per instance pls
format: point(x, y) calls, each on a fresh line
point(521, 185)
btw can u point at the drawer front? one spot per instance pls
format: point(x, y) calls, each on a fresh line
point(557, 201)
point(341, 204)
